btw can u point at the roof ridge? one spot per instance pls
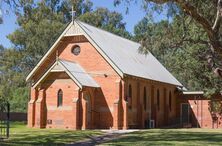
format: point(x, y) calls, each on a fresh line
point(107, 32)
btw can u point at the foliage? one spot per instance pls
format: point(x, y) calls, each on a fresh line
point(12, 84)
point(110, 21)
point(215, 106)
point(186, 60)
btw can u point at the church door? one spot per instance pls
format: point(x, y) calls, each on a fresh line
point(185, 113)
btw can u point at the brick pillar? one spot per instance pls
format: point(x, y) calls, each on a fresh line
point(125, 115)
point(31, 108)
point(143, 112)
point(153, 105)
point(116, 105)
point(76, 113)
point(166, 109)
point(150, 103)
point(139, 106)
point(93, 109)
point(115, 115)
point(125, 107)
point(84, 111)
point(40, 109)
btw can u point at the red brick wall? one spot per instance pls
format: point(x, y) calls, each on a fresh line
point(163, 116)
point(61, 116)
point(200, 115)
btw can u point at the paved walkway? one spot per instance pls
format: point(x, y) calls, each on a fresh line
point(109, 135)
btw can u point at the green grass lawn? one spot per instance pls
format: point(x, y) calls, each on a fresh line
point(192, 137)
point(21, 135)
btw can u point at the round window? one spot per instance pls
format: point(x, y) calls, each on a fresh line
point(76, 50)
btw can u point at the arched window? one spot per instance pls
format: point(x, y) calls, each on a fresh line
point(130, 96)
point(158, 99)
point(170, 101)
point(144, 98)
point(59, 98)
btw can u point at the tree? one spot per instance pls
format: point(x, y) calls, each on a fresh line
point(12, 3)
point(12, 88)
point(186, 60)
point(110, 21)
point(206, 15)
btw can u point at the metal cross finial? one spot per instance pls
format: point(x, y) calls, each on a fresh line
point(73, 14)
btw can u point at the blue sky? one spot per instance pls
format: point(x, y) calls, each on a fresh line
point(135, 14)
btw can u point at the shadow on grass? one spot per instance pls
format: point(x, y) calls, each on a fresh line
point(20, 135)
point(170, 137)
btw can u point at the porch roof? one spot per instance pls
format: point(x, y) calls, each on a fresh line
point(74, 71)
point(79, 74)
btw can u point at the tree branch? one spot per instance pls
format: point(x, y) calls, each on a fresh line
point(183, 40)
point(217, 22)
point(197, 16)
point(212, 30)
point(192, 11)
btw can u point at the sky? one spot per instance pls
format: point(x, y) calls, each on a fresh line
point(131, 19)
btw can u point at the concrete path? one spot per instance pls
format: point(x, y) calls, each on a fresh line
point(108, 136)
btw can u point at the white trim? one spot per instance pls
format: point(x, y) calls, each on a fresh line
point(48, 52)
point(192, 92)
point(44, 75)
point(70, 35)
point(56, 70)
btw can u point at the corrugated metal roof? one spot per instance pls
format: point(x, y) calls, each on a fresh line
point(79, 73)
point(124, 54)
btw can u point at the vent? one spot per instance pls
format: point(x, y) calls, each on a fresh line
point(49, 121)
point(152, 123)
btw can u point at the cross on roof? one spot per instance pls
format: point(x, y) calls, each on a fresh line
point(73, 14)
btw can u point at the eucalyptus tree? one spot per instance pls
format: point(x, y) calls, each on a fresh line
point(187, 60)
point(205, 14)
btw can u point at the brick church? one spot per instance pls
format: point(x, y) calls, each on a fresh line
point(93, 79)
